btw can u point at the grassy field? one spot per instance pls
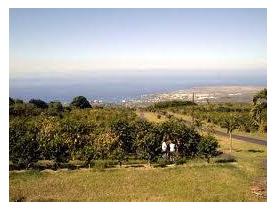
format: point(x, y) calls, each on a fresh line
point(243, 180)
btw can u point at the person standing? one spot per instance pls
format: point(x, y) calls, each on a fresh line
point(164, 149)
point(172, 151)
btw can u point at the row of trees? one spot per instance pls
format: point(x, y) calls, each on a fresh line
point(248, 117)
point(37, 106)
point(170, 104)
point(92, 134)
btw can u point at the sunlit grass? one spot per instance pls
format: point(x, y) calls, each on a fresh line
point(151, 116)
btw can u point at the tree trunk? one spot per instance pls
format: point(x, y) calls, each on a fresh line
point(230, 141)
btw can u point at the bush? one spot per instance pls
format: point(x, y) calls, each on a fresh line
point(38, 103)
point(80, 102)
point(208, 147)
point(23, 144)
point(185, 138)
point(149, 146)
point(172, 103)
point(55, 108)
point(24, 109)
point(125, 132)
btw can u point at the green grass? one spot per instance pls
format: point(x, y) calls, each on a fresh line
point(194, 181)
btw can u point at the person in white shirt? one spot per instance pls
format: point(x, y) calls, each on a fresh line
point(172, 151)
point(164, 149)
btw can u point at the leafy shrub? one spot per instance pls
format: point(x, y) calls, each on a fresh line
point(38, 103)
point(172, 103)
point(185, 138)
point(149, 146)
point(80, 102)
point(55, 108)
point(208, 147)
point(24, 109)
point(125, 132)
point(23, 144)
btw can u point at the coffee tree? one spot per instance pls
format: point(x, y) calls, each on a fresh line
point(208, 147)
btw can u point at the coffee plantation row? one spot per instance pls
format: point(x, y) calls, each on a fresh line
point(39, 131)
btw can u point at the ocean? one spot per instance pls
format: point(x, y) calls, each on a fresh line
point(115, 88)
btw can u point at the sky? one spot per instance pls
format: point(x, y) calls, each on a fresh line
point(137, 41)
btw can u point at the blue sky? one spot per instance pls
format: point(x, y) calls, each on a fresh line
point(125, 41)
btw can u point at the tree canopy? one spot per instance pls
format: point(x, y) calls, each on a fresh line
point(80, 102)
point(38, 103)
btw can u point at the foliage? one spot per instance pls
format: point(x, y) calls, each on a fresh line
point(94, 134)
point(168, 104)
point(260, 96)
point(251, 118)
point(11, 101)
point(259, 110)
point(80, 102)
point(148, 142)
point(24, 109)
point(55, 108)
point(38, 103)
point(230, 122)
point(23, 146)
point(208, 147)
point(186, 138)
point(125, 133)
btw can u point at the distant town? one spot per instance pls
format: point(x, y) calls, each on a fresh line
point(204, 94)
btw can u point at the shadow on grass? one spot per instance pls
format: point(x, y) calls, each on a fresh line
point(255, 150)
point(135, 166)
point(18, 199)
point(225, 158)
